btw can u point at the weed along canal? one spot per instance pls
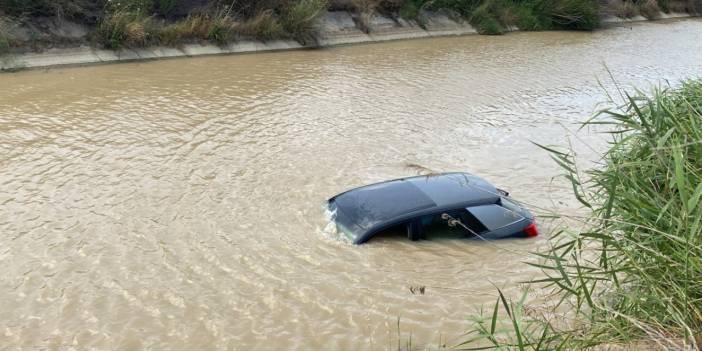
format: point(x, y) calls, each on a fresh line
point(179, 204)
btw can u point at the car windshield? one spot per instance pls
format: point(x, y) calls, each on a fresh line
point(348, 233)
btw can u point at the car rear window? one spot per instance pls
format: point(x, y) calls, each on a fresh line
point(494, 216)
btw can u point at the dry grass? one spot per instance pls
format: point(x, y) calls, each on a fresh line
point(195, 27)
point(366, 5)
point(222, 29)
point(294, 21)
point(122, 29)
point(133, 23)
point(263, 26)
point(624, 9)
point(649, 9)
point(685, 6)
point(509, 17)
point(299, 20)
point(366, 11)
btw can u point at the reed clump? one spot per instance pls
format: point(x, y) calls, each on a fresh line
point(635, 273)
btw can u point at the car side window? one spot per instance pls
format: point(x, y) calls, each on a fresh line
point(438, 226)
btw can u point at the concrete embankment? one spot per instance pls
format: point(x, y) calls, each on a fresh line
point(336, 28)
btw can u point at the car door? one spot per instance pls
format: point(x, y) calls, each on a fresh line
point(450, 224)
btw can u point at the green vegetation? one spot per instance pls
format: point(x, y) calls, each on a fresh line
point(497, 16)
point(410, 9)
point(635, 274)
point(298, 19)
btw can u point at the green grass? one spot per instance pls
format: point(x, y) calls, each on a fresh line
point(410, 10)
point(486, 18)
point(636, 272)
point(496, 16)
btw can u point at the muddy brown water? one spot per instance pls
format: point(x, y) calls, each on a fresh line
point(178, 204)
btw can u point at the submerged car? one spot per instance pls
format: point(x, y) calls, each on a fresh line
point(418, 205)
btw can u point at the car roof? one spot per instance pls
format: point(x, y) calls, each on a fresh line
point(369, 208)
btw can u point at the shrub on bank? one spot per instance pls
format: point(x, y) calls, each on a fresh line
point(624, 9)
point(635, 273)
point(649, 9)
point(487, 18)
point(681, 6)
point(123, 28)
point(265, 25)
point(570, 14)
point(496, 16)
point(299, 19)
point(410, 9)
point(194, 27)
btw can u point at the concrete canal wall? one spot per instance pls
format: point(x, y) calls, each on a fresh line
point(336, 28)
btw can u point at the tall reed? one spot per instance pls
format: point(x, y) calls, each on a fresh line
point(636, 272)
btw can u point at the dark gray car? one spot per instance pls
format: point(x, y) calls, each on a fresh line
point(417, 203)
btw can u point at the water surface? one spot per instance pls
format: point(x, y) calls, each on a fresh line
point(178, 204)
